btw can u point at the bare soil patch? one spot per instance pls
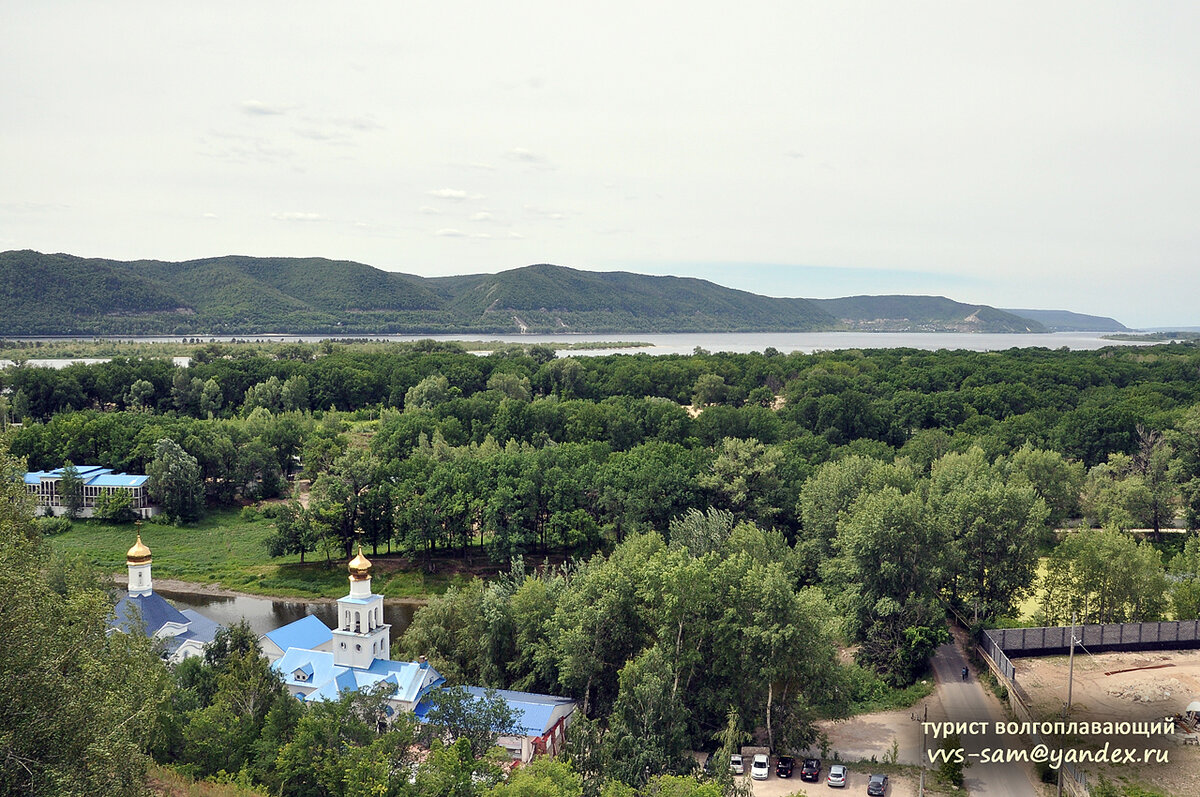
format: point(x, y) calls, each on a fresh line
point(1117, 687)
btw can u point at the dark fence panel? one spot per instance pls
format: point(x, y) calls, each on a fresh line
point(1018, 642)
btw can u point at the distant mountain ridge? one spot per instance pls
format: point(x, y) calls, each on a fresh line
point(1066, 321)
point(59, 294)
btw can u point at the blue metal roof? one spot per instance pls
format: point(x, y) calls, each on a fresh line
point(90, 474)
point(534, 713)
point(118, 480)
point(151, 610)
point(412, 680)
point(307, 632)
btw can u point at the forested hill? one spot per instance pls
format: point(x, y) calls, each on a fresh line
point(59, 294)
point(1066, 321)
point(923, 314)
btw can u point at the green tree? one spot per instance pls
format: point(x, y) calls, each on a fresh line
point(993, 527)
point(1185, 589)
point(115, 506)
point(174, 481)
point(457, 714)
point(141, 396)
point(890, 568)
point(543, 777)
point(211, 397)
point(1104, 577)
point(744, 479)
point(70, 490)
point(709, 389)
point(427, 394)
point(77, 705)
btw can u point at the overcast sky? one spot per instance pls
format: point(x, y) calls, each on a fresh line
point(1034, 155)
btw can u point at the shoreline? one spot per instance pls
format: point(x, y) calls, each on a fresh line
point(217, 591)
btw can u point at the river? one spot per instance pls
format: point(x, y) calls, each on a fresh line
point(267, 614)
point(688, 342)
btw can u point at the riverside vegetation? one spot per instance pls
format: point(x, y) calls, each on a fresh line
point(680, 543)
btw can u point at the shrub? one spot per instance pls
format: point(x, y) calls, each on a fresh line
point(49, 526)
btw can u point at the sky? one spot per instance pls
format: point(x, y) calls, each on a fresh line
point(1016, 154)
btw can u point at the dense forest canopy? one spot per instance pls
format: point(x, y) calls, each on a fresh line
point(711, 528)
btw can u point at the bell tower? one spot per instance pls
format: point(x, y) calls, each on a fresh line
point(361, 635)
point(138, 560)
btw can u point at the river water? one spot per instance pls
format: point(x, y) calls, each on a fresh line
point(267, 614)
point(688, 342)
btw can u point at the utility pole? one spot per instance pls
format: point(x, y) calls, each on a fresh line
point(1071, 667)
point(1070, 684)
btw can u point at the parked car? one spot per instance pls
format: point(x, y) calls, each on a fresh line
point(877, 786)
point(811, 769)
point(784, 766)
point(735, 764)
point(837, 776)
point(761, 767)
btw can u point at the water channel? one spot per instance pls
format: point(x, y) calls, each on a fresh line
point(267, 614)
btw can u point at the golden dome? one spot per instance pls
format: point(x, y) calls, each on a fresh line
point(360, 567)
point(139, 554)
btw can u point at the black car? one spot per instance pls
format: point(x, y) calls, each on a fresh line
point(877, 786)
point(784, 766)
point(811, 769)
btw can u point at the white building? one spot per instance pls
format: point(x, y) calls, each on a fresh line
point(318, 663)
point(97, 481)
point(184, 633)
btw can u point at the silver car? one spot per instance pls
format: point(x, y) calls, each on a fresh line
point(837, 776)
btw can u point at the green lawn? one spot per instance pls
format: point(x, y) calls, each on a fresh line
point(226, 550)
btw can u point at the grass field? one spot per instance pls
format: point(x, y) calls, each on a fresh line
point(226, 550)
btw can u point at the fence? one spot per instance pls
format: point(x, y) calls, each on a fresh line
point(1018, 642)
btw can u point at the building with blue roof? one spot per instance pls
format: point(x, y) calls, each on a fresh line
point(97, 481)
point(183, 633)
point(541, 719)
point(318, 663)
point(307, 633)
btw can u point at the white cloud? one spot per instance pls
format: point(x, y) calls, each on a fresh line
point(295, 216)
point(450, 233)
point(449, 193)
point(258, 108)
point(482, 215)
point(429, 210)
point(481, 235)
point(522, 155)
point(209, 216)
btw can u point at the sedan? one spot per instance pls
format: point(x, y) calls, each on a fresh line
point(837, 776)
point(735, 764)
point(877, 786)
point(761, 768)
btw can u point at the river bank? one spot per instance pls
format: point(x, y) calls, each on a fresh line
point(178, 587)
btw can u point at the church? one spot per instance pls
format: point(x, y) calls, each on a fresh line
point(183, 633)
point(319, 663)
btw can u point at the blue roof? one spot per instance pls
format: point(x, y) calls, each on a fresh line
point(533, 713)
point(307, 632)
point(91, 474)
point(152, 610)
point(201, 628)
point(412, 680)
point(118, 480)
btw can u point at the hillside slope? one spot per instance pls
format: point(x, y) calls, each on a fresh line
point(58, 294)
point(546, 298)
point(923, 314)
point(1066, 321)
